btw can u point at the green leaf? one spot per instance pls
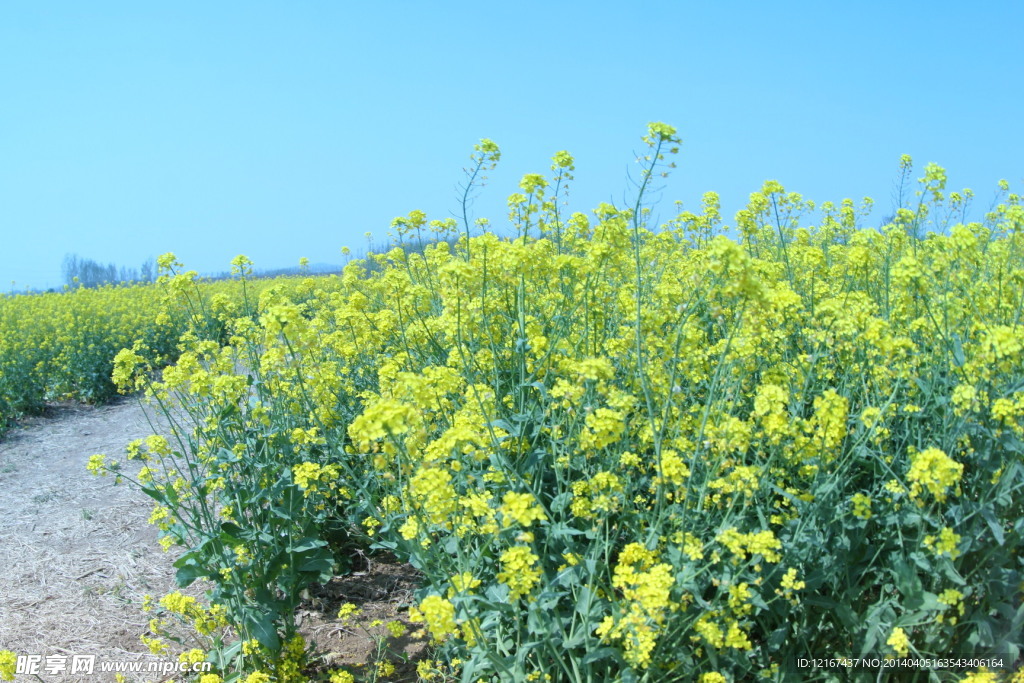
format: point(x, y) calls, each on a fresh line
point(223, 658)
point(1011, 442)
point(172, 496)
point(263, 595)
point(872, 627)
point(951, 574)
point(958, 351)
point(574, 641)
point(982, 632)
point(597, 655)
point(261, 627)
point(922, 561)
point(451, 546)
point(322, 566)
point(501, 424)
point(585, 602)
point(186, 558)
point(561, 529)
point(778, 637)
point(155, 494)
point(282, 512)
point(819, 601)
point(930, 601)
point(847, 617)
point(994, 525)
point(558, 504)
point(908, 583)
point(188, 574)
point(870, 637)
point(306, 544)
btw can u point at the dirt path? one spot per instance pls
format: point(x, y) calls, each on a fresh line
point(77, 556)
point(76, 553)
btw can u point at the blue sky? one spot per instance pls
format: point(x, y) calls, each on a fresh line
point(289, 129)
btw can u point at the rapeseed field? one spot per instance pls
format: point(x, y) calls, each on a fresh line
point(615, 451)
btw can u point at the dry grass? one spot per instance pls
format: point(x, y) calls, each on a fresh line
point(77, 553)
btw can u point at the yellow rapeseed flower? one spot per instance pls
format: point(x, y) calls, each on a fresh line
point(933, 470)
point(521, 508)
point(899, 642)
point(8, 664)
point(519, 571)
point(439, 616)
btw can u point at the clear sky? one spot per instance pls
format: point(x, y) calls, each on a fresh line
point(283, 130)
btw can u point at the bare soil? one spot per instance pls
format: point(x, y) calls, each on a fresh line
point(77, 556)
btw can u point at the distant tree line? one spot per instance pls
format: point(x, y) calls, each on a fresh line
point(85, 272)
point(267, 273)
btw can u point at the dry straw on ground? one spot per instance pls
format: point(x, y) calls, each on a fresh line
point(77, 553)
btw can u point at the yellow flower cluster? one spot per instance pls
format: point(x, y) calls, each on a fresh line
point(648, 435)
point(8, 663)
point(899, 642)
point(945, 544)
point(741, 545)
point(933, 470)
point(645, 587)
point(519, 571)
point(439, 616)
point(861, 505)
point(309, 476)
point(521, 509)
point(599, 495)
